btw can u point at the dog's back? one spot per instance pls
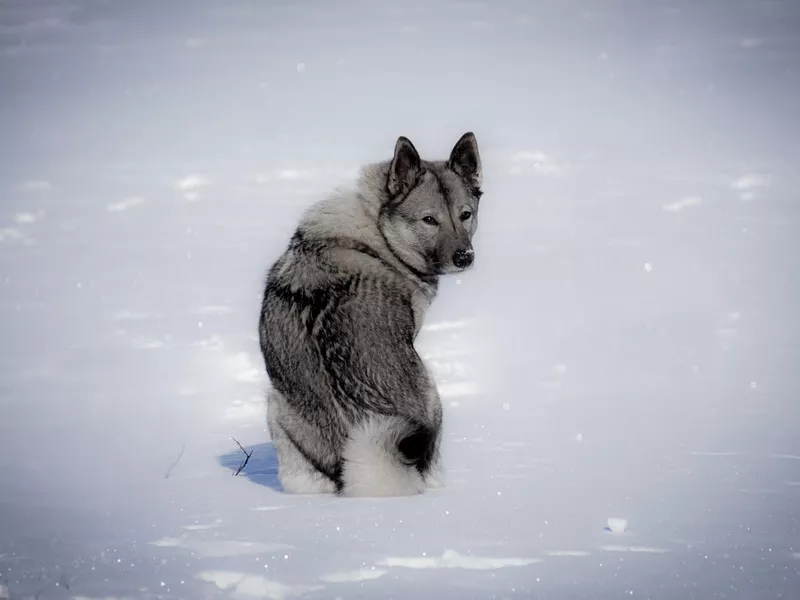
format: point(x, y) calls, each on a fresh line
point(337, 332)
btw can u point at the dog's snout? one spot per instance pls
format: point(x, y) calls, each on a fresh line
point(463, 258)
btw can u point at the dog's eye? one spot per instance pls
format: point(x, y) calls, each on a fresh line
point(465, 215)
point(429, 220)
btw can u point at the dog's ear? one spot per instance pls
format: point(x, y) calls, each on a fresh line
point(405, 167)
point(465, 159)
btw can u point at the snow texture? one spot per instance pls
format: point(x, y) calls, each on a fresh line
point(627, 344)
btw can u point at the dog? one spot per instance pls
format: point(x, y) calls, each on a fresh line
point(352, 409)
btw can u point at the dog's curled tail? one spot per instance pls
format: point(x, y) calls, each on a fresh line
point(387, 456)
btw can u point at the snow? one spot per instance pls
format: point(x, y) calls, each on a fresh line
point(36, 186)
point(27, 217)
point(125, 204)
point(617, 524)
point(153, 161)
point(683, 204)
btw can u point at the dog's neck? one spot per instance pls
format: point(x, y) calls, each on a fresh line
point(373, 194)
point(353, 215)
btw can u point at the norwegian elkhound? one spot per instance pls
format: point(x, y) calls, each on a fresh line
point(352, 408)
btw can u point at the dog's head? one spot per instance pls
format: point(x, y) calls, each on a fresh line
point(431, 211)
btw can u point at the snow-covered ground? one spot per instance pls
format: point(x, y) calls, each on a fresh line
point(626, 346)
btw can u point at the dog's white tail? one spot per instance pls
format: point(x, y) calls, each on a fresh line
point(373, 463)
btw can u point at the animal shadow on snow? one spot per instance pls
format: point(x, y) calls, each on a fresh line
point(261, 467)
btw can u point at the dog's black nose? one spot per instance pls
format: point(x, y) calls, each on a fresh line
point(463, 258)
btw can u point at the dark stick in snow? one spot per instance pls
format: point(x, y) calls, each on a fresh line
point(246, 454)
point(177, 460)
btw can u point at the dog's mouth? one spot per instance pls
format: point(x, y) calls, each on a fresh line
point(453, 269)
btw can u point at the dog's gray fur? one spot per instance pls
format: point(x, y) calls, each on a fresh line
point(352, 408)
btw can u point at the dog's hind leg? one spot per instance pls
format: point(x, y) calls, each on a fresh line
point(295, 472)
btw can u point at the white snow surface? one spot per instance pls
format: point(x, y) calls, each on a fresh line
point(626, 345)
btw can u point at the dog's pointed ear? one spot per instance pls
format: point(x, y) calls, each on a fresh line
point(465, 159)
point(405, 166)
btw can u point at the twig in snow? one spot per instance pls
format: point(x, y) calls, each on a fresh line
point(177, 460)
point(247, 456)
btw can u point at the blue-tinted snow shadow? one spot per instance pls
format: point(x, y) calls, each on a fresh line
point(261, 468)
